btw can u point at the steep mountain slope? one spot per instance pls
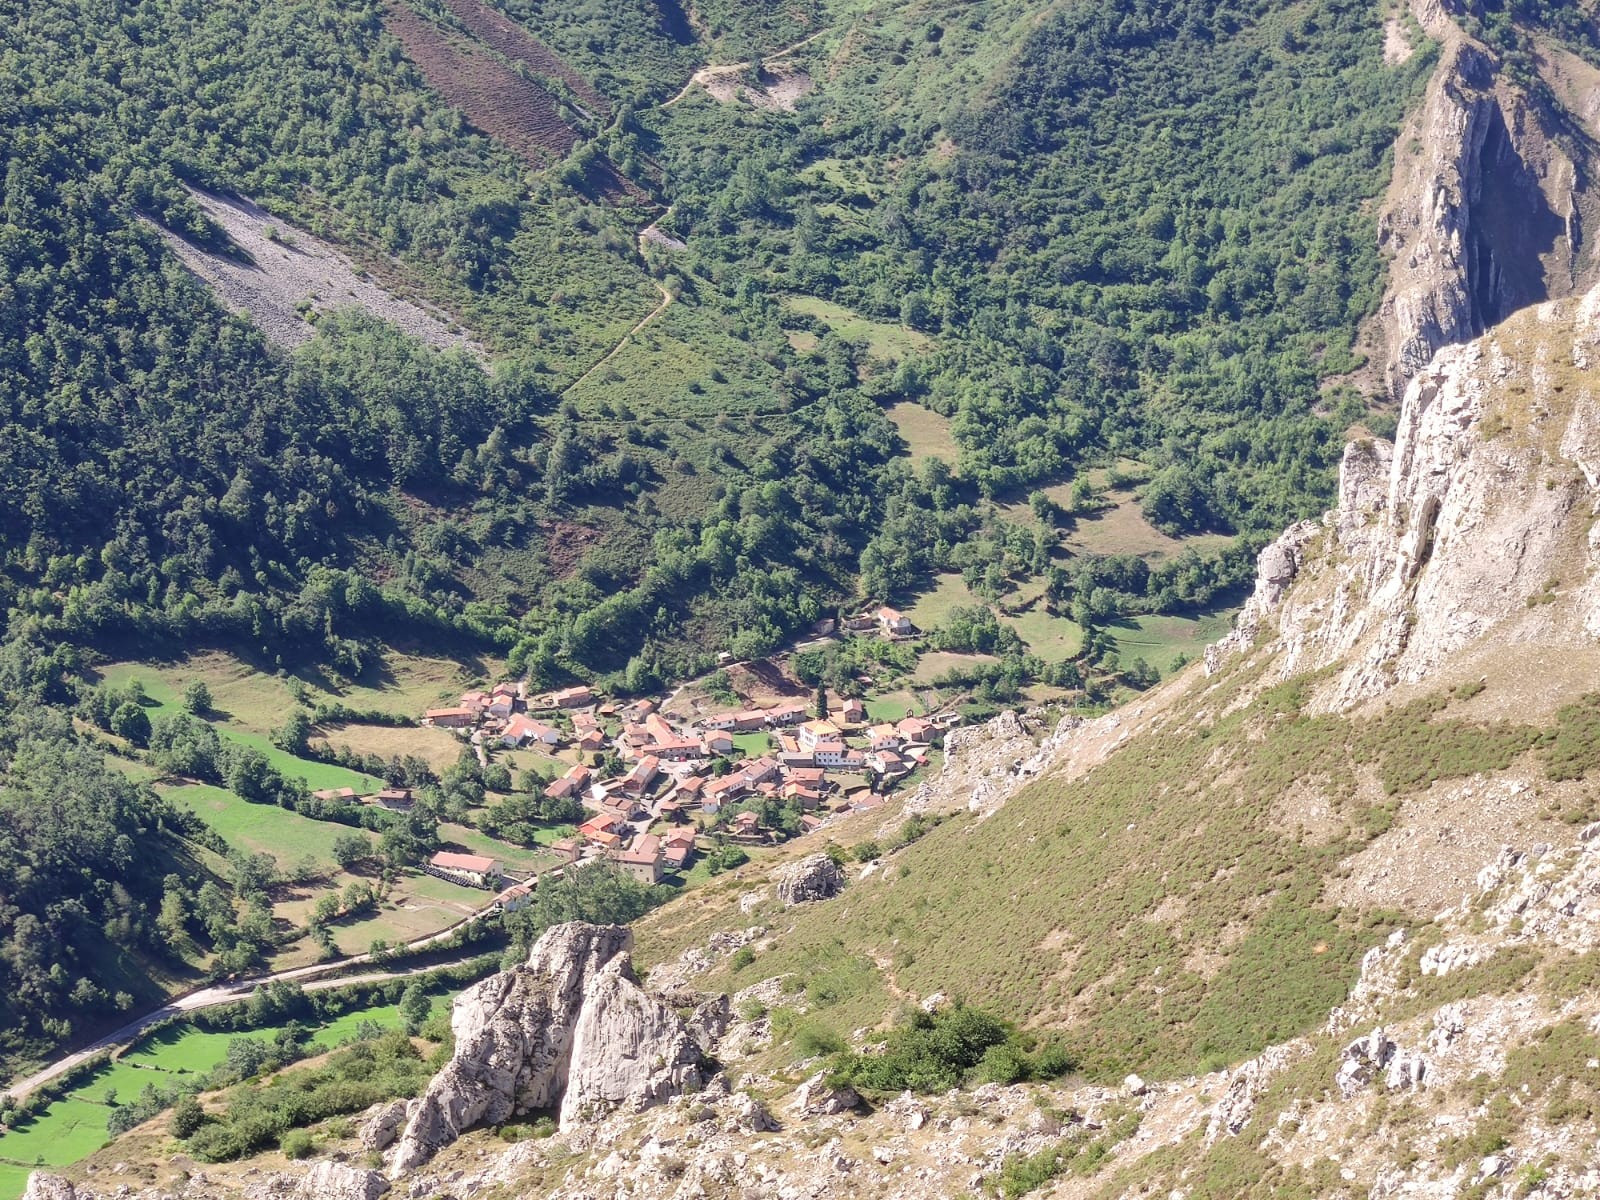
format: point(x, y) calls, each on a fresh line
point(1493, 198)
point(1330, 894)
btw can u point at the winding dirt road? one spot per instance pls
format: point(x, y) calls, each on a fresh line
point(228, 993)
point(707, 74)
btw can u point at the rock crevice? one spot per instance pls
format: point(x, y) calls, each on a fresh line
point(1488, 208)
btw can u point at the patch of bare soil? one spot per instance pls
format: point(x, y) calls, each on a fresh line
point(764, 682)
point(506, 37)
point(286, 268)
point(1397, 48)
point(781, 90)
point(496, 100)
point(565, 544)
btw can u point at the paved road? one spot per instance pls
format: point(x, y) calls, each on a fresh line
point(227, 993)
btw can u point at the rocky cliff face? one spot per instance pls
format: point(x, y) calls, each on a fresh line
point(633, 1049)
point(1492, 201)
point(1476, 521)
point(571, 1029)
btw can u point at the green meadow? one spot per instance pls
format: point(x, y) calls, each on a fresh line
point(74, 1126)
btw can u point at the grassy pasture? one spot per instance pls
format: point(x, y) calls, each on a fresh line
point(1122, 529)
point(254, 699)
point(847, 176)
point(1160, 640)
point(68, 1130)
point(259, 828)
point(885, 341)
point(892, 706)
point(926, 433)
point(534, 760)
point(317, 775)
point(937, 662)
point(418, 905)
point(934, 606)
point(245, 714)
point(1052, 638)
point(514, 859)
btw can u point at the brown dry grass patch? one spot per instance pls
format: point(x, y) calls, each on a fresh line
point(437, 747)
point(495, 99)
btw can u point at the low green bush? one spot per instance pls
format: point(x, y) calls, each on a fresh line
point(260, 1115)
point(934, 1052)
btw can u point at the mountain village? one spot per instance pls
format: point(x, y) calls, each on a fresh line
point(658, 787)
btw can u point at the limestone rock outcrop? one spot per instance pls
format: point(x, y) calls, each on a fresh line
point(632, 1049)
point(570, 1029)
point(1467, 524)
point(48, 1187)
point(815, 877)
point(340, 1181)
point(383, 1125)
point(1488, 212)
point(985, 765)
point(1366, 1058)
point(816, 1097)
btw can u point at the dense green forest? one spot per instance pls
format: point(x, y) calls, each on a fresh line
point(90, 858)
point(1136, 231)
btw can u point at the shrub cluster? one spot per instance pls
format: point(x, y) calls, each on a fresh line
point(953, 1046)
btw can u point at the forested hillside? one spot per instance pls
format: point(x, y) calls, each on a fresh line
point(1087, 243)
point(1118, 232)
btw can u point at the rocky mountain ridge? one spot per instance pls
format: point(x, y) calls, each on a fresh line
point(1474, 520)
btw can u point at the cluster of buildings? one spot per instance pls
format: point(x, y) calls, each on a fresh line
point(678, 777)
point(506, 713)
point(890, 622)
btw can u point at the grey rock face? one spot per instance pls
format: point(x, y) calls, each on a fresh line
point(340, 1181)
point(1367, 1057)
point(383, 1125)
point(631, 1049)
point(815, 877)
point(1452, 533)
point(572, 1030)
point(815, 1098)
point(513, 1034)
point(751, 1115)
point(48, 1187)
point(1461, 263)
point(1245, 1086)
